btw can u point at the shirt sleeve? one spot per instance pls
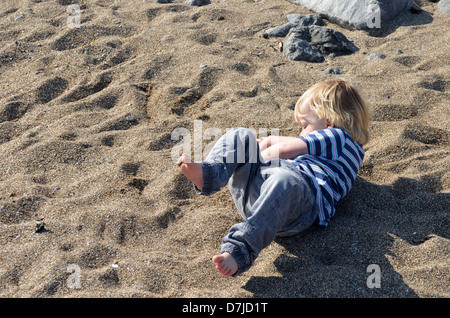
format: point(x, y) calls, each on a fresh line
point(327, 143)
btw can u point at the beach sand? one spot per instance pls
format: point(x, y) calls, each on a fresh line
point(86, 119)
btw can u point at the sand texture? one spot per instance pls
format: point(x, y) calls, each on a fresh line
point(86, 119)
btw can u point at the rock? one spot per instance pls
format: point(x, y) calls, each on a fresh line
point(280, 31)
point(40, 227)
point(313, 43)
point(130, 118)
point(357, 14)
point(415, 9)
point(331, 41)
point(197, 2)
point(444, 6)
point(305, 20)
point(297, 49)
point(336, 70)
point(294, 21)
point(163, 1)
point(376, 56)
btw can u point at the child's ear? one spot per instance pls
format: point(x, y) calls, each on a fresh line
point(330, 124)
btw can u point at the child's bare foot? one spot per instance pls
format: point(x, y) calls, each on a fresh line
point(225, 264)
point(192, 170)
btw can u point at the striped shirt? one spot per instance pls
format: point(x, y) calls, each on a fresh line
point(332, 162)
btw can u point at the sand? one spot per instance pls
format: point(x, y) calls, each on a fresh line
point(86, 118)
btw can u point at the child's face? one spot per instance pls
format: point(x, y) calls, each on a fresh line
point(309, 121)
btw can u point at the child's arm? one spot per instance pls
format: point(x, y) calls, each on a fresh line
point(282, 147)
point(266, 142)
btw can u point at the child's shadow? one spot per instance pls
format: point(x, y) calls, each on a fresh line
point(334, 262)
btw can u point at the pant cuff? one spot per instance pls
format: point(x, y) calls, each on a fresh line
point(238, 257)
point(207, 179)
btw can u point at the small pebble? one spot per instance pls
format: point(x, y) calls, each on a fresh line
point(376, 56)
point(40, 227)
point(334, 70)
point(203, 66)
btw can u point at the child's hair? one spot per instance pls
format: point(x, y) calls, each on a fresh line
point(340, 103)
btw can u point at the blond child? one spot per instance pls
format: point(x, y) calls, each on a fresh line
point(285, 184)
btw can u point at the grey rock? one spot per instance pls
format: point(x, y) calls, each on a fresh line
point(294, 21)
point(357, 14)
point(444, 6)
point(297, 49)
point(280, 31)
point(163, 1)
point(197, 2)
point(336, 70)
point(331, 41)
point(305, 20)
point(376, 56)
point(313, 43)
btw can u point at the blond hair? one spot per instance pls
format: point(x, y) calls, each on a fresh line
point(340, 103)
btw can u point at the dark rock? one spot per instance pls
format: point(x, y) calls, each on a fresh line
point(305, 20)
point(294, 21)
point(197, 2)
point(40, 227)
point(336, 70)
point(280, 31)
point(297, 47)
point(313, 43)
point(376, 57)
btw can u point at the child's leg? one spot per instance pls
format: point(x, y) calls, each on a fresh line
point(284, 206)
point(237, 148)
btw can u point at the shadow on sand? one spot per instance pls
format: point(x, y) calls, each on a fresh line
point(333, 262)
point(412, 17)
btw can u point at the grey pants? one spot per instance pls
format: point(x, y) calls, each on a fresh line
point(273, 198)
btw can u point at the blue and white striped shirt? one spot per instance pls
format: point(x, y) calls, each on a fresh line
point(332, 162)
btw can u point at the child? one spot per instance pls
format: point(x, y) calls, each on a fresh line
point(311, 173)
